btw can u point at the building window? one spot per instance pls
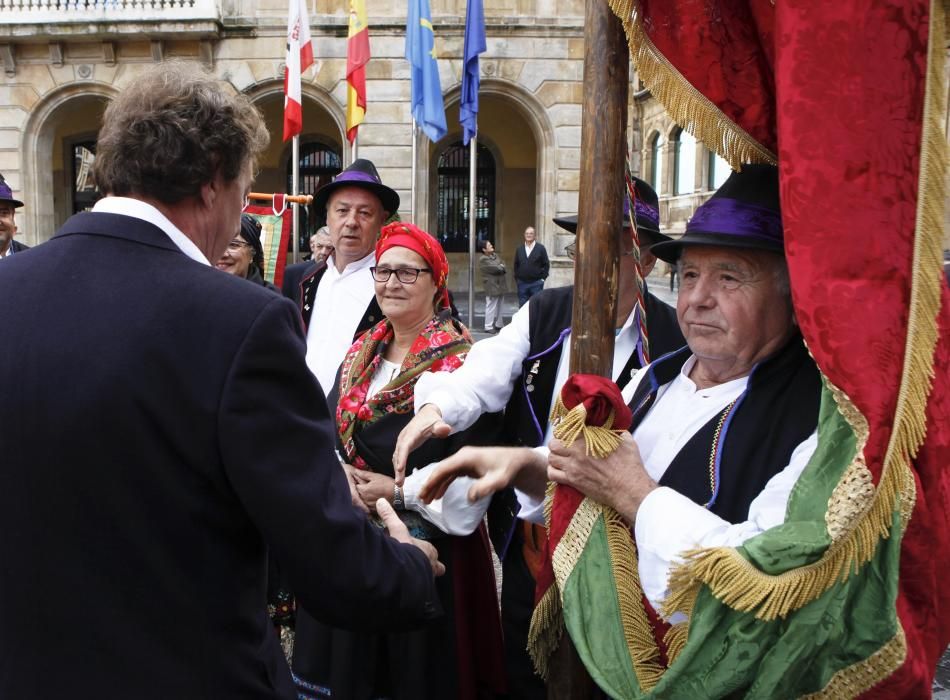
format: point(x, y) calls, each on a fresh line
point(319, 164)
point(453, 206)
point(84, 193)
point(684, 163)
point(656, 162)
point(719, 171)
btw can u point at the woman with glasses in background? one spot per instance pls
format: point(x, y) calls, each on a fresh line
point(459, 654)
point(244, 256)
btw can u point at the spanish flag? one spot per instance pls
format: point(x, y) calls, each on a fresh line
point(357, 56)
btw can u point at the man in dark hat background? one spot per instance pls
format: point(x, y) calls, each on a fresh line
point(8, 207)
point(336, 298)
point(723, 428)
point(521, 370)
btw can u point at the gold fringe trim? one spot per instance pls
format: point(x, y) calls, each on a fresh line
point(859, 678)
point(686, 105)
point(729, 576)
point(544, 634)
point(637, 630)
point(571, 424)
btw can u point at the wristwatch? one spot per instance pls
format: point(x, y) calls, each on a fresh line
point(398, 502)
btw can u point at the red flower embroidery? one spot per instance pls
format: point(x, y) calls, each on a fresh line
point(419, 345)
point(365, 412)
point(379, 332)
point(451, 362)
point(439, 338)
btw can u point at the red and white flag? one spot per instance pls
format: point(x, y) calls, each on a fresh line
point(299, 59)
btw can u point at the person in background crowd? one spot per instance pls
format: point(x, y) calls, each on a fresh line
point(493, 280)
point(458, 656)
point(531, 267)
point(168, 431)
point(244, 256)
point(336, 298)
point(8, 207)
point(521, 370)
point(321, 245)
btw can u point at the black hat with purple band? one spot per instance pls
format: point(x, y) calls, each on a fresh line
point(743, 213)
point(646, 209)
point(6, 194)
point(360, 173)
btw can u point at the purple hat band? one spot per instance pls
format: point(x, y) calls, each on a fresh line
point(6, 195)
point(644, 210)
point(356, 176)
point(730, 217)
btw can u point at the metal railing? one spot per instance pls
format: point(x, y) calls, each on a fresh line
point(35, 11)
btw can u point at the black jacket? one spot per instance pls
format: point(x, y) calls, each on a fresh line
point(300, 286)
point(533, 268)
point(161, 431)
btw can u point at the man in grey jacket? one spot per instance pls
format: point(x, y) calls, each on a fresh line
point(493, 280)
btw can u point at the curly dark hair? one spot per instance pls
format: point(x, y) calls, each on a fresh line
point(173, 130)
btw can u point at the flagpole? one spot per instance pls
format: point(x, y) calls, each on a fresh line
point(295, 190)
point(354, 147)
point(472, 215)
point(412, 187)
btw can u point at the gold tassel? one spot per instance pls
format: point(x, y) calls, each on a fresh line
point(637, 630)
point(571, 424)
point(684, 103)
point(544, 634)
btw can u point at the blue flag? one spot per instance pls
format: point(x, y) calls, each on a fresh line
point(474, 45)
point(427, 107)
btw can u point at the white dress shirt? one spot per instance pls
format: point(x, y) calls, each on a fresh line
point(485, 382)
point(528, 247)
point(340, 303)
point(669, 523)
point(137, 209)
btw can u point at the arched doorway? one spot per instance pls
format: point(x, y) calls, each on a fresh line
point(321, 147)
point(58, 152)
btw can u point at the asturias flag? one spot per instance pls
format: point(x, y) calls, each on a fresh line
point(474, 45)
point(357, 56)
point(299, 59)
point(427, 107)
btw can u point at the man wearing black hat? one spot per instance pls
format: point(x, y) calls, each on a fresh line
point(722, 429)
point(8, 207)
point(336, 298)
point(522, 370)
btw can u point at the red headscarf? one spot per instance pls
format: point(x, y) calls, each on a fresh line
point(404, 235)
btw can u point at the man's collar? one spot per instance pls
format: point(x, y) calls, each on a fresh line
point(129, 206)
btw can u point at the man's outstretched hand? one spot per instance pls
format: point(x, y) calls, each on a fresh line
point(493, 468)
point(398, 531)
point(425, 424)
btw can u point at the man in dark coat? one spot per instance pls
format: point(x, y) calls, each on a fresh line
point(161, 431)
point(493, 280)
point(8, 207)
point(531, 266)
point(522, 370)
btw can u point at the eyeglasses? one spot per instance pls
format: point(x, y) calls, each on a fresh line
point(406, 275)
point(236, 245)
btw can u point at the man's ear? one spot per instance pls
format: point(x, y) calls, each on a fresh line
point(647, 262)
point(210, 192)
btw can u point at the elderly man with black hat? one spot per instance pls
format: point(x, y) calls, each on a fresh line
point(521, 370)
point(336, 297)
point(8, 207)
point(723, 428)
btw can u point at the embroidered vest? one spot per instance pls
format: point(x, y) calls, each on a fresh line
point(776, 412)
point(308, 293)
point(528, 410)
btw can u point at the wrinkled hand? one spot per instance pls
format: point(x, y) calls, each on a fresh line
point(619, 481)
point(372, 486)
point(398, 531)
point(351, 472)
point(493, 468)
point(425, 424)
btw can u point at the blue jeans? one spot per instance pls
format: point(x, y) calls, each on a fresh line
point(526, 290)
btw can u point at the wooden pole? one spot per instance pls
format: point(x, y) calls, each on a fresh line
point(599, 215)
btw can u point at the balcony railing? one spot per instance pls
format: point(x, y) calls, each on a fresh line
point(58, 11)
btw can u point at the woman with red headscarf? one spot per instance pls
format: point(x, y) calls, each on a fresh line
point(459, 655)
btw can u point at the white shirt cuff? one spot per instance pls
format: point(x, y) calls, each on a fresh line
point(454, 514)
